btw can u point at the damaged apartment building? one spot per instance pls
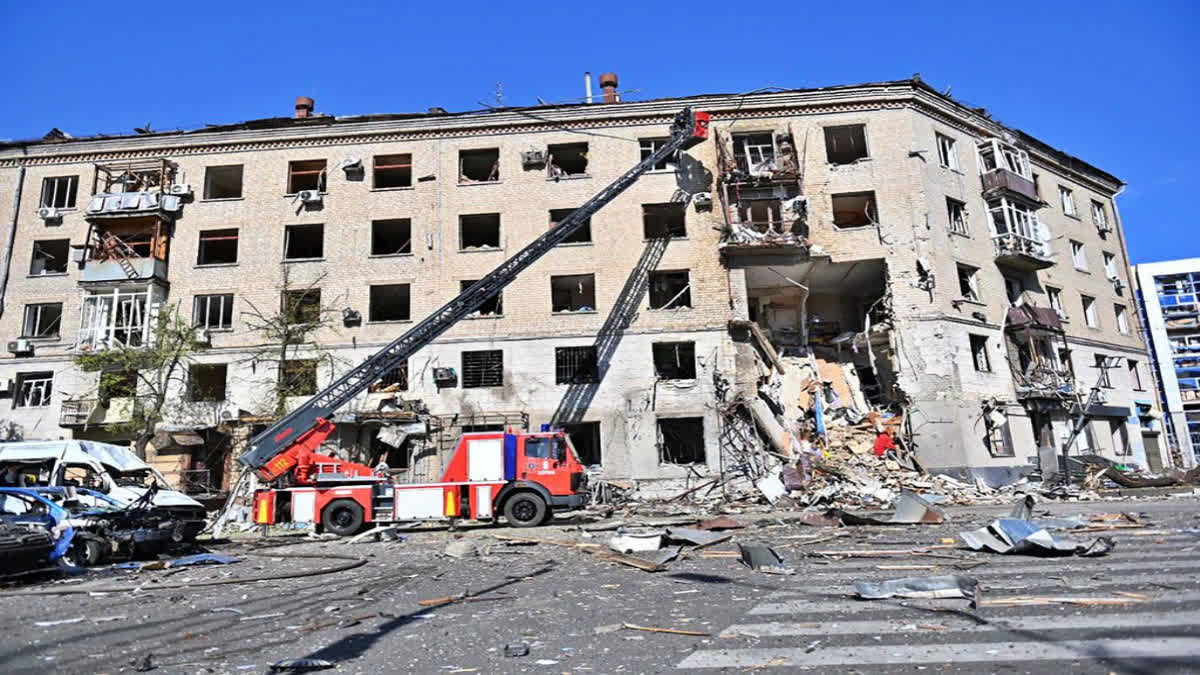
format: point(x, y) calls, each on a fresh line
point(934, 264)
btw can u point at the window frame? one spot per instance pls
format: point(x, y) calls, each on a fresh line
point(1079, 255)
point(1121, 313)
point(371, 301)
point(206, 299)
point(871, 212)
point(979, 348)
point(37, 309)
point(661, 445)
point(833, 140)
point(682, 298)
point(192, 389)
point(1104, 378)
point(381, 221)
point(1099, 215)
point(27, 384)
point(1066, 198)
point(400, 166)
point(571, 370)
point(673, 347)
point(947, 147)
point(202, 239)
point(287, 241)
point(971, 281)
point(38, 247)
point(1134, 371)
point(1054, 299)
point(208, 178)
point(650, 145)
point(72, 192)
point(294, 170)
point(1110, 266)
point(482, 383)
point(1090, 317)
point(960, 224)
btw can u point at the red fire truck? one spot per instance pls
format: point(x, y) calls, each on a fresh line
point(524, 476)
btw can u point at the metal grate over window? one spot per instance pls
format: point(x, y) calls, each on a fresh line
point(483, 369)
point(575, 365)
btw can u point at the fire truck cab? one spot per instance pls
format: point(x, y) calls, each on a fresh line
point(523, 476)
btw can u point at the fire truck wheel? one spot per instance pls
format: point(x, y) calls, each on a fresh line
point(525, 509)
point(342, 517)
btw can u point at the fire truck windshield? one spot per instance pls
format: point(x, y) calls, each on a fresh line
point(546, 448)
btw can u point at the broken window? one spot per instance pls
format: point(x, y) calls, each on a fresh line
point(493, 306)
point(585, 438)
point(1122, 318)
point(1110, 266)
point(304, 242)
point(43, 320)
point(1099, 215)
point(1054, 297)
point(393, 171)
point(1078, 255)
point(1120, 436)
point(846, 144)
point(117, 384)
point(947, 152)
point(59, 191)
point(754, 153)
point(1135, 375)
point(480, 230)
point(670, 290)
point(298, 377)
point(114, 318)
point(391, 237)
point(301, 306)
point(389, 302)
point(483, 369)
point(214, 312)
point(1067, 197)
point(681, 440)
point(218, 247)
point(854, 209)
point(306, 174)
point(49, 257)
point(979, 353)
point(1013, 288)
point(395, 379)
point(33, 390)
point(764, 215)
point(995, 155)
point(649, 146)
point(675, 360)
point(1101, 364)
point(573, 293)
point(968, 282)
point(567, 159)
point(1089, 311)
point(575, 365)
point(663, 221)
point(223, 182)
point(582, 235)
point(956, 211)
point(999, 438)
point(479, 166)
point(206, 382)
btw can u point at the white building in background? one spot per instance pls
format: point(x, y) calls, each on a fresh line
point(1169, 297)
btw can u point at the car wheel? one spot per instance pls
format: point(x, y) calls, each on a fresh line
point(342, 517)
point(525, 509)
point(85, 552)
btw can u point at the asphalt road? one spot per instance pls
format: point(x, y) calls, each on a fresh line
point(569, 608)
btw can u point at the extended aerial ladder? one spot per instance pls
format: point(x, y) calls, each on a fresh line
point(292, 442)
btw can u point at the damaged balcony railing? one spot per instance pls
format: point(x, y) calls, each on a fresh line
point(84, 411)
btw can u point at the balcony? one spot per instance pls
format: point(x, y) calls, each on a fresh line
point(1021, 252)
point(90, 412)
point(132, 204)
point(1044, 382)
point(129, 269)
point(129, 250)
point(999, 182)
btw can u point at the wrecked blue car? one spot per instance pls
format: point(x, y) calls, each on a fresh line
point(88, 527)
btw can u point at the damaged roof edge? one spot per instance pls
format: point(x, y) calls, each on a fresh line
point(328, 121)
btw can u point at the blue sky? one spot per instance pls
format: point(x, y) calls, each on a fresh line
point(1113, 83)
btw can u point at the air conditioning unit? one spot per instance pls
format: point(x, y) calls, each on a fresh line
point(20, 347)
point(48, 213)
point(531, 159)
point(309, 196)
point(181, 189)
point(443, 374)
point(351, 164)
point(6, 386)
point(228, 412)
point(203, 336)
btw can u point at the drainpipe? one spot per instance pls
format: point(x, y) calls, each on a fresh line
point(12, 234)
point(587, 86)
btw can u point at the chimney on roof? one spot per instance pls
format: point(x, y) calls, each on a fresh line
point(608, 82)
point(304, 107)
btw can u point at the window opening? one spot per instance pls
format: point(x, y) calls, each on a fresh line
point(1068, 200)
point(479, 166)
point(670, 290)
point(649, 146)
point(301, 306)
point(389, 302)
point(50, 256)
point(298, 377)
point(214, 311)
point(304, 242)
point(681, 440)
point(582, 235)
point(493, 306)
point(43, 320)
point(1101, 363)
point(856, 209)
point(947, 151)
point(393, 171)
point(1054, 296)
point(1122, 319)
point(1000, 442)
point(1078, 255)
point(59, 191)
point(1135, 375)
point(575, 365)
point(846, 144)
point(674, 360)
point(223, 182)
point(479, 231)
point(34, 390)
point(115, 318)
point(567, 159)
point(573, 293)
point(968, 283)
point(207, 382)
point(1120, 436)
point(585, 438)
point(1089, 311)
point(754, 153)
point(391, 237)
point(979, 353)
point(218, 247)
point(306, 175)
point(117, 384)
point(956, 211)
point(483, 369)
point(1099, 215)
point(663, 220)
point(395, 379)
point(1110, 266)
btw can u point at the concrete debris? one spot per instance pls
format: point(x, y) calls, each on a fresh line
point(462, 548)
point(949, 586)
point(1022, 537)
point(516, 649)
point(763, 558)
point(299, 665)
